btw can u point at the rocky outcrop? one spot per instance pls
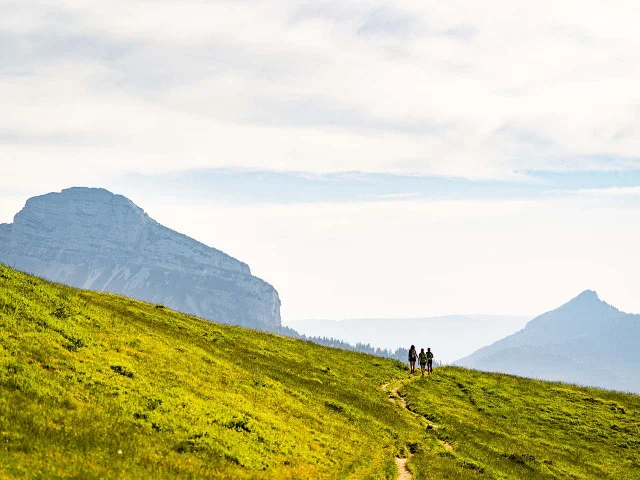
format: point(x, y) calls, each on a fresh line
point(91, 238)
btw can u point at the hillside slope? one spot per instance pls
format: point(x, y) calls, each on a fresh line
point(503, 426)
point(91, 238)
point(86, 375)
point(585, 341)
point(94, 385)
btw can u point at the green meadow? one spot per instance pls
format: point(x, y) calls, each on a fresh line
point(94, 385)
point(503, 426)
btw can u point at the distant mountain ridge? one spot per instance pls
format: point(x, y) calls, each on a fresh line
point(450, 336)
point(91, 238)
point(585, 341)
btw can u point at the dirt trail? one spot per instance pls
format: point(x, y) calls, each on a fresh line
point(401, 463)
point(403, 402)
point(395, 397)
point(403, 471)
point(447, 446)
point(390, 398)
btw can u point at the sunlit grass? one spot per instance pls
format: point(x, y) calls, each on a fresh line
point(508, 427)
point(84, 376)
point(101, 386)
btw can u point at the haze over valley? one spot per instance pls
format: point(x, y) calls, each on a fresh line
point(451, 337)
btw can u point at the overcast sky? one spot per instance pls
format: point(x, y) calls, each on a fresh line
point(368, 159)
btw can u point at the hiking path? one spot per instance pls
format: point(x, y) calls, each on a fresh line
point(396, 398)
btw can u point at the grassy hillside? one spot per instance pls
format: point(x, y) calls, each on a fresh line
point(508, 427)
point(95, 385)
point(100, 386)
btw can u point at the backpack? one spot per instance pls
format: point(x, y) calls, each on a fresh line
point(429, 355)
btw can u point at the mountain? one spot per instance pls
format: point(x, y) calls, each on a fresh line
point(585, 341)
point(103, 386)
point(91, 238)
point(450, 337)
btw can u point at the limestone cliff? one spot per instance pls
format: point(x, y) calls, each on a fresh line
point(91, 238)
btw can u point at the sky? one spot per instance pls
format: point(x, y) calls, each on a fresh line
point(369, 159)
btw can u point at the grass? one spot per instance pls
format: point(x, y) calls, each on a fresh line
point(101, 386)
point(508, 427)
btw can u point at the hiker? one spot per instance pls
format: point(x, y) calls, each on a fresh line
point(429, 361)
point(413, 355)
point(423, 360)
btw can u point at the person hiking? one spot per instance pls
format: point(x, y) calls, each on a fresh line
point(413, 355)
point(423, 360)
point(429, 361)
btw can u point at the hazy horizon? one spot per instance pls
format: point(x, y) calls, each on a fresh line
point(293, 321)
point(450, 337)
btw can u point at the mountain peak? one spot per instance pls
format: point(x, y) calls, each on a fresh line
point(96, 195)
point(587, 301)
point(92, 201)
point(87, 190)
point(562, 345)
point(588, 295)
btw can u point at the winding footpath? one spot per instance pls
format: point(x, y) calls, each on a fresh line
point(395, 398)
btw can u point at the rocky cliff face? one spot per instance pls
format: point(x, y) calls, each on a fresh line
point(91, 238)
point(5, 234)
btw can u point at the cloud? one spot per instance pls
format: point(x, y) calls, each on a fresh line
point(237, 186)
point(613, 191)
point(477, 91)
point(515, 122)
point(393, 196)
point(385, 22)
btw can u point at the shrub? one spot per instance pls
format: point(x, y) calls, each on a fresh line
point(120, 370)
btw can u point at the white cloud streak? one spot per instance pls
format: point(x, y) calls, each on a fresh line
point(612, 191)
